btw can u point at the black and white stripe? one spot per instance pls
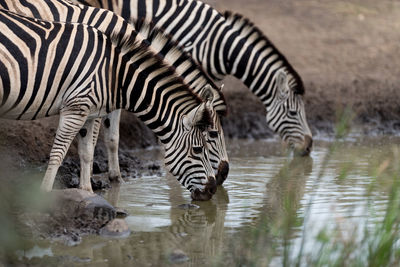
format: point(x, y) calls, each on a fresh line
point(76, 71)
point(229, 44)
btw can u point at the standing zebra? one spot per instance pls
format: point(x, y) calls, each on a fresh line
point(229, 44)
point(111, 24)
point(78, 72)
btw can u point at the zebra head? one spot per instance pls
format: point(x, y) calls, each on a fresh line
point(187, 156)
point(215, 134)
point(286, 114)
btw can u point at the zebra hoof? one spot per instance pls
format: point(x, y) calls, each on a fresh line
point(209, 191)
point(115, 177)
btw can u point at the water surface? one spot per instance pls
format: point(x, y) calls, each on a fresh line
point(265, 189)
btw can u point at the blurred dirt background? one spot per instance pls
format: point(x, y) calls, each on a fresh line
point(347, 52)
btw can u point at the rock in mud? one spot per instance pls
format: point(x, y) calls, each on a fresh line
point(81, 209)
point(68, 215)
point(100, 182)
point(68, 174)
point(116, 228)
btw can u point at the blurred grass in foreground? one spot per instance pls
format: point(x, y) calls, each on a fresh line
point(272, 239)
point(19, 194)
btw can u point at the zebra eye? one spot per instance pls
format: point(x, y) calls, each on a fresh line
point(197, 149)
point(292, 113)
point(213, 134)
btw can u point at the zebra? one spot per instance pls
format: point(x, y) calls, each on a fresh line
point(109, 23)
point(75, 71)
point(229, 44)
point(195, 76)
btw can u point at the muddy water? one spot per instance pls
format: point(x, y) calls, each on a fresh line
point(265, 187)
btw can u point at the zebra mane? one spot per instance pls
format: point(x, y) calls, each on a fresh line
point(246, 26)
point(157, 37)
point(136, 48)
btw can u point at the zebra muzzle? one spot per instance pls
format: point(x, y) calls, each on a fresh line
point(207, 193)
point(223, 170)
point(305, 148)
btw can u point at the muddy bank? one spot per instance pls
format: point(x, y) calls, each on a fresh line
point(28, 143)
point(29, 215)
point(67, 215)
point(372, 105)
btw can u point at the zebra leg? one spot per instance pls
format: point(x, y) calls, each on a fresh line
point(86, 151)
point(96, 130)
point(111, 139)
point(71, 121)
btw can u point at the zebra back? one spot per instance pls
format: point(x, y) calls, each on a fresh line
point(174, 53)
point(65, 11)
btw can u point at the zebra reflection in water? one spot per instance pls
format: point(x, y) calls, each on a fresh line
point(202, 233)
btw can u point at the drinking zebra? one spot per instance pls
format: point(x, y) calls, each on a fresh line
point(110, 24)
point(229, 44)
point(195, 76)
point(79, 73)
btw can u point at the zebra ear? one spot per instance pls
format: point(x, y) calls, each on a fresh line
point(199, 116)
point(212, 95)
point(281, 81)
point(207, 93)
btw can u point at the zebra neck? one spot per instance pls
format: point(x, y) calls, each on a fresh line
point(156, 95)
point(253, 59)
point(185, 66)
